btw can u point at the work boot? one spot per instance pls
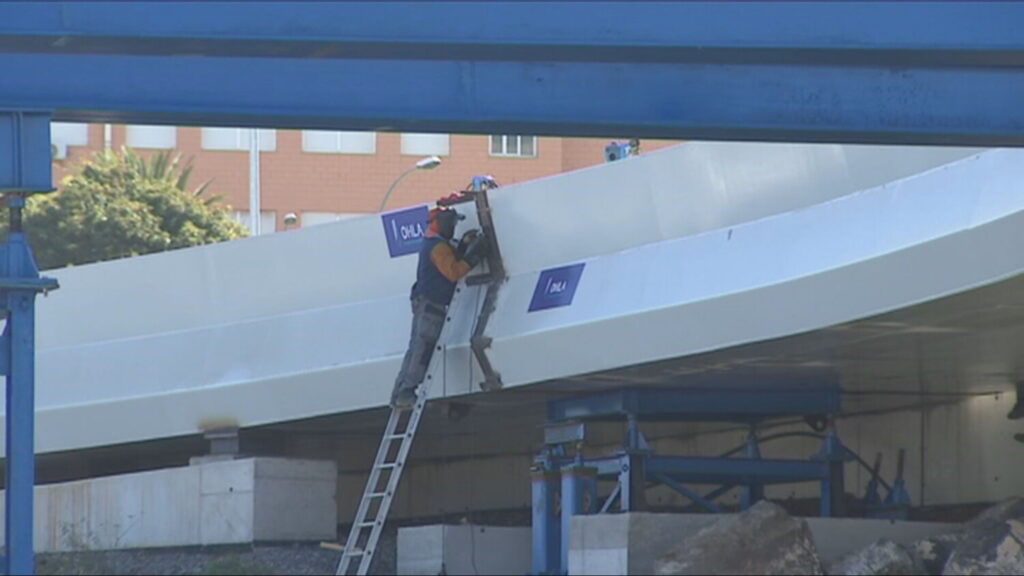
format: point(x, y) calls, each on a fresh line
point(404, 399)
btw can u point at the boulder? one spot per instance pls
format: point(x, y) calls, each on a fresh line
point(992, 543)
point(762, 540)
point(881, 557)
point(932, 553)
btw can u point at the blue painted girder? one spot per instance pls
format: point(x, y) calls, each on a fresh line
point(825, 71)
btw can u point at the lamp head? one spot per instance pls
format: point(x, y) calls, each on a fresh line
point(428, 163)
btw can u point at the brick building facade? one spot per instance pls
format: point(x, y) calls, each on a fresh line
point(323, 176)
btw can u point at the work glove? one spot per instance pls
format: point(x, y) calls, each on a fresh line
point(478, 249)
point(464, 243)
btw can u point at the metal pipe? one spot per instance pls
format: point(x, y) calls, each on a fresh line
point(254, 182)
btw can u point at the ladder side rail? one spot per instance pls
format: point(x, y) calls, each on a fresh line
point(351, 544)
point(395, 478)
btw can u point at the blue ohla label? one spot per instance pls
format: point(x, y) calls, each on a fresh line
point(405, 229)
point(556, 287)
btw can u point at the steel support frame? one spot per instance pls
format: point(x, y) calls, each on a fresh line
point(24, 169)
point(636, 465)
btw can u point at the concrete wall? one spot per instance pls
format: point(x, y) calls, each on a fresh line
point(631, 543)
point(463, 549)
point(229, 502)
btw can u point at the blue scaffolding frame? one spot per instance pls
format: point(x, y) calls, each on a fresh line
point(570, 482)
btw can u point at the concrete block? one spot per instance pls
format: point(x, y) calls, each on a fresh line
point(230, 502)
point(226, 518)
point(227, 476)
point(295, 500)
point(464, 549)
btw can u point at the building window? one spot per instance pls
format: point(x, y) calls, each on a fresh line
point(64, 134)
point(160, 137)
point(268, 220)
point(237, 139)
point(316, 218)
point(339, 142)
point(425, 144)
point(510, 145)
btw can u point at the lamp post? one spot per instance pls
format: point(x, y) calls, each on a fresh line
point(428, 163)
point(254, 183)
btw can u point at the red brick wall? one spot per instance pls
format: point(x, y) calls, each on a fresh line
point(296, 181)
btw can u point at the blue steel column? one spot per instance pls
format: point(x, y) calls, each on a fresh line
point(633, 476)
point(20, 429)
point(752, 493)
point(833, 489)
point(24, 169)
point(547, 534)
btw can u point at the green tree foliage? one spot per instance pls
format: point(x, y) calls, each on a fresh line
point(121, 204)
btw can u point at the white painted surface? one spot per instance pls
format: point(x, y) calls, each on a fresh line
point(231, 502)
point(164, 345)
point(465, 549)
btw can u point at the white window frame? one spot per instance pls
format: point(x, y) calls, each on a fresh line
point(505, 138)
point(149, 135)
point(64, 134)
point(344, 142)
point(414, 145)
point(238, 141)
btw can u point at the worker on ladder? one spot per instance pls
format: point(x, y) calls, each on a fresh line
point(441, 265)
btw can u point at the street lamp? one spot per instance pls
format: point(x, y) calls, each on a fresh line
point(428, 163)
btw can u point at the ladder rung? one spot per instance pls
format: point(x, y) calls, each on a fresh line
point(367, 524)
point(388, 465)
point(377, 495)
point(395, 436)
point(356, 552)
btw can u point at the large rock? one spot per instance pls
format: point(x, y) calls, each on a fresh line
point(762, 540)
point(882, 557)
point(992, 543)
point(932, 553)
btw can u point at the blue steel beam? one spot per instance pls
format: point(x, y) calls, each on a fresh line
point(967, 32)
point(695, 470)
point(761, 400)
point(822, 71)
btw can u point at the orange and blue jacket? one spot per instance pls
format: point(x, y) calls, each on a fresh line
point(438, 272)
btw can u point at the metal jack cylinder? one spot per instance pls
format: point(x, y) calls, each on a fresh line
point(547, 534)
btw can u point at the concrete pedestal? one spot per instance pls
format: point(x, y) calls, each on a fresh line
point(630, 543)
point(463, 549)
point(229, 502)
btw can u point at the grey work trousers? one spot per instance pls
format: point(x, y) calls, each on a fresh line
point(427, 322)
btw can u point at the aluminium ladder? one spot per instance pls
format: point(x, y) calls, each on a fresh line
point(403, 423)
point(387, 471)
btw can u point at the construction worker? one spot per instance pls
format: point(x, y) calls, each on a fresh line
point(440, 267)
